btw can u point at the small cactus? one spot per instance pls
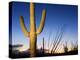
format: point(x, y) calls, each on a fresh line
point(65, 48)
point(33, 33)
point(43, 45)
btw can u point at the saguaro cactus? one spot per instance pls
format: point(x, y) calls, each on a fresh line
point(33, 32)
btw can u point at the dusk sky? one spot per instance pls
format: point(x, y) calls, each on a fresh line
point(56, 16)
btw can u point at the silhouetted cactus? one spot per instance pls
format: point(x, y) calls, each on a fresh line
point(33, 33)
point(43, 45)
point(65, 48)
point(74, 47)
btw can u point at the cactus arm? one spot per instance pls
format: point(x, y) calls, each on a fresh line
point(41, 26)
point(24, 29)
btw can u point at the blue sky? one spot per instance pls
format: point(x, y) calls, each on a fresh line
point(56, 16)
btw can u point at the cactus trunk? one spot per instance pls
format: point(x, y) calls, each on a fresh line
point(33, 42)
point(33, 36)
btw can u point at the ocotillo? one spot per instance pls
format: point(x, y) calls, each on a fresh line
point(33, 33)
